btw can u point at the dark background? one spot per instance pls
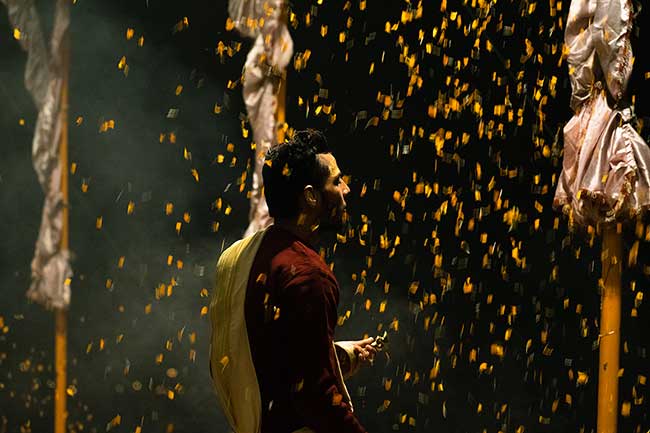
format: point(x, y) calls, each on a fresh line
point(490, 300)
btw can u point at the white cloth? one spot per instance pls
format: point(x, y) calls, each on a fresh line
point(44, 78)
point(605, 168)
point(597, 36)
point(265, 66)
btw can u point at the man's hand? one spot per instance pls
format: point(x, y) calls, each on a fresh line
point(365, 350)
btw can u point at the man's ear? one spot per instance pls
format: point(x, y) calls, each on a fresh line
point(310, 196)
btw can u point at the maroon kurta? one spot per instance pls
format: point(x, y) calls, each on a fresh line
point(291, 303)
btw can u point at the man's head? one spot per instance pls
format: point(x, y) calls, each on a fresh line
point(302, 182)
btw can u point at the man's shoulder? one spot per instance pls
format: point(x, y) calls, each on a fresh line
point(242, 249)
point(299, 262)
point(297, 267)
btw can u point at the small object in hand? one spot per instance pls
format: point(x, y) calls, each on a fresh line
point(380, 341)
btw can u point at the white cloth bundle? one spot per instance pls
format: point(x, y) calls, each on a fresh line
point(51, 270)
point(605, 168)
point(265, 66)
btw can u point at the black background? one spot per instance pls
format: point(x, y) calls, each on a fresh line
point(549, 306)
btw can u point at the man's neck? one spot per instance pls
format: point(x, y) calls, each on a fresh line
point(307, 233)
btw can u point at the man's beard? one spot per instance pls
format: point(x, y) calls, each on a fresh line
point(332, 220)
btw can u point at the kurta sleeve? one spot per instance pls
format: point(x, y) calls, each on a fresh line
point(348, 358)
point(310, 302)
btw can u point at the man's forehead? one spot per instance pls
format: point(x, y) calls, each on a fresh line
point(329, 160)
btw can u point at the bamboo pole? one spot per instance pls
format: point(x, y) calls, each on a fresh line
point(610, 323)
point(60, 314)
point(280, 110)
point(60, 343)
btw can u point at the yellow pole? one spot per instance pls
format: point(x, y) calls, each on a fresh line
point(610, 324)
point(60, 314)
point(280, 111)
point(60, 344)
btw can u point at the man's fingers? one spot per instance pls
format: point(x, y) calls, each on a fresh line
point(365, 350)
point(361, 351)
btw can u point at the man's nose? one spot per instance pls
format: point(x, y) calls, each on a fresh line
point(346, 189)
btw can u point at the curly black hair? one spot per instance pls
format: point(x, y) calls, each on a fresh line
point(289, 167)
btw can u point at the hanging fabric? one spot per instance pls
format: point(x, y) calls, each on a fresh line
point(51, 270)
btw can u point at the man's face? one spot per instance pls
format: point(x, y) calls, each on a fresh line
point(333, 194)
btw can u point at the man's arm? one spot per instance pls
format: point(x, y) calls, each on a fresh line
point(311, 306)
point(353, 354)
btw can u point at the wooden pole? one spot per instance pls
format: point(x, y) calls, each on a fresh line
point(280, 111)
point(60, 350)
point(610, 324)
point(60, 314)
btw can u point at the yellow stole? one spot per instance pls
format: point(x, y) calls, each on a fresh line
point(231, 363)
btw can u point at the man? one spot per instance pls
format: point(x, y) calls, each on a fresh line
point(273, 359)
